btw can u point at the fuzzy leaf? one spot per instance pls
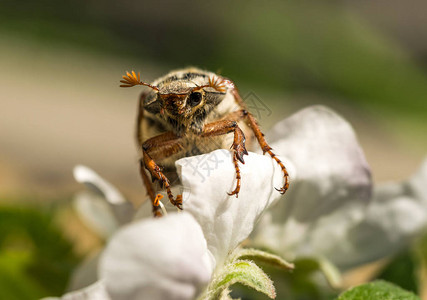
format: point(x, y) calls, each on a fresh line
point(244, 272)
point(264, 257)
point(312, 264)
point(225, 295)
point(378, 290)
point(332, 274)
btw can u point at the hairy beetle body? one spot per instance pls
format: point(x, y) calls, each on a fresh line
point(190, 112)
point(215, 106)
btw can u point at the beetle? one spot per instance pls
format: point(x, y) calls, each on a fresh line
point(189, 112)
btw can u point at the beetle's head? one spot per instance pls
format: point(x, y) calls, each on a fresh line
point(182, 101)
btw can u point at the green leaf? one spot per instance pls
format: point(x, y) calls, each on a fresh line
point(35, 259)
point(14, 283)
point(244, 272)
point(309, 265)
point(402, 271)
point(225, 295)
point(421, 256)
point(378, 290)
point(263, 257)
point(332, 274)
point(307, 281)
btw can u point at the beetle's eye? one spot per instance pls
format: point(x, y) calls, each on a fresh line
point(194, 98)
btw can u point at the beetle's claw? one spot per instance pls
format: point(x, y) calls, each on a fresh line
point(282, 190)
point(177, 202)
point(157, 211)
point(235, 192)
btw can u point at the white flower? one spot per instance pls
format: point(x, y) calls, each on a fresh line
point(330, 211)
point(163, 258)
point(396, 214)
point(104, 209)
point(174, 257)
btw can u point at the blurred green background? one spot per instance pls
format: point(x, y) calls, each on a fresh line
point(60, 104)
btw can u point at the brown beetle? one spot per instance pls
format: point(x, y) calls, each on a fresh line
point(190, 112)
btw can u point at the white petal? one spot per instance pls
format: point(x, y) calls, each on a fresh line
point(95, 213)
point(226, 220)
point(397, 214)
point(95, 291)
point(85, 274)
point(122, 209)
point(145, 210)
point(332, 176)
point(157, 259)
point(89, 177)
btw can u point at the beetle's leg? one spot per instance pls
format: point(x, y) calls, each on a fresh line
point(154, 199)
point(160, 146)
point(262, 142)
point(266, 148)
point(223, 127)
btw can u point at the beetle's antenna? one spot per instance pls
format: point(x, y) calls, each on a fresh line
point(132, 79)
point(217, 83)
point(214, 82)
